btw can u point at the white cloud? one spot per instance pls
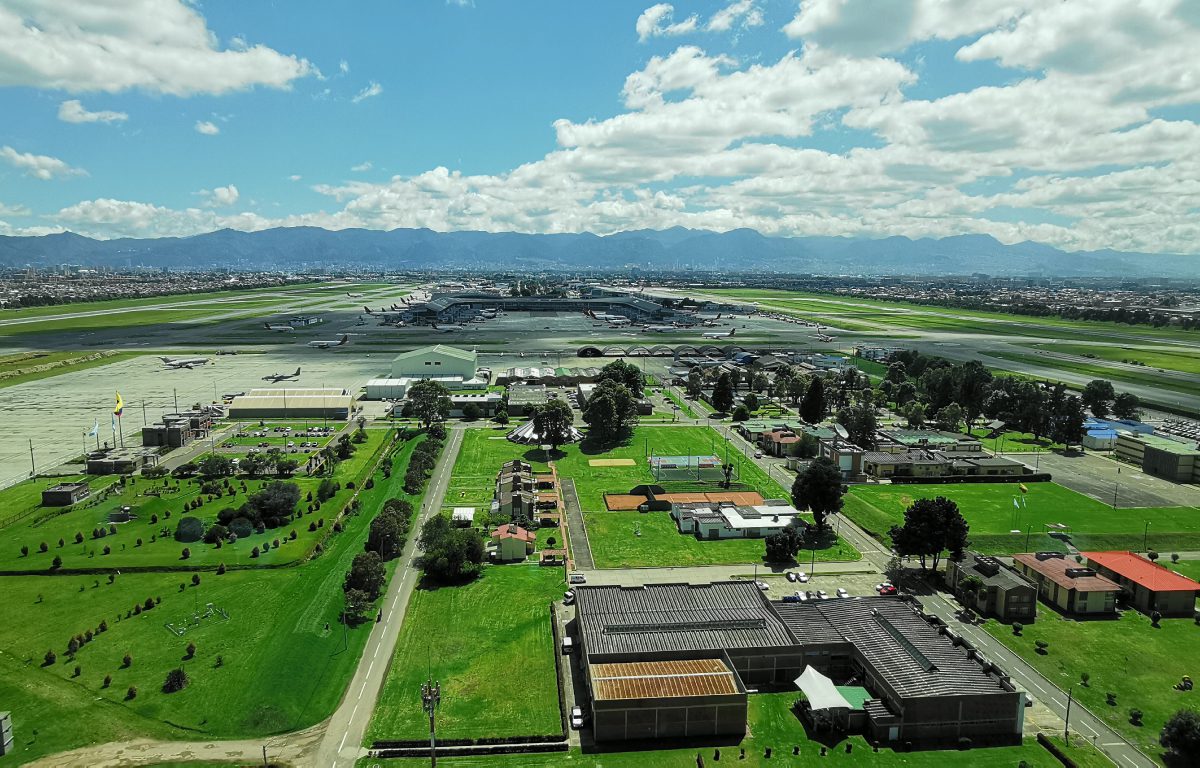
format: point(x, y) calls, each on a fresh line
point(41, 167)
point(221, 197)
point(295, 177)
point(207, 127)
point(659, 21)
point(363, 166)
point(72, 111)
point(372, 90)
point(14, 210)
point(160, 46)
point(743, 12)
point(344, 67)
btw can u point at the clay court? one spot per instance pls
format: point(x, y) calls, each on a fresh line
point(612, 463)
point(626, 502)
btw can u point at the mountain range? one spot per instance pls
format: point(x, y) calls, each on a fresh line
point(675, 249)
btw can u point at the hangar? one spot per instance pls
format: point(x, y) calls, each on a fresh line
point(284, 403)
point(687, 656)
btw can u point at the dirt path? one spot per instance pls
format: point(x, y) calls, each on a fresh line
point(294, 748)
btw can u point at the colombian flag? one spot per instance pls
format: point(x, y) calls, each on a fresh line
point(120, 407)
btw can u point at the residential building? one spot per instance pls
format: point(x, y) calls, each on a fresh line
point(705, 520)
point(1006, 594)
point(1151, 586)
point(511, 542)
point(1069, 586)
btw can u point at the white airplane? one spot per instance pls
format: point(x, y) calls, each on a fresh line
point(660, 329)
point(355, 295)
point(327, 344)
point(446, 328)
point(282, 328)
point(277, 377)
point(184, 362)
point(719, 334)
point(618, 322)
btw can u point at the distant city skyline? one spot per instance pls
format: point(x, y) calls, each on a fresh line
point(1073, 124)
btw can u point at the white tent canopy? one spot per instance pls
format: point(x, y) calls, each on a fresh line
point(528, 434)
point(820, 690)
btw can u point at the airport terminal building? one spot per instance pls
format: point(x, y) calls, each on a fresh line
point(677, 660)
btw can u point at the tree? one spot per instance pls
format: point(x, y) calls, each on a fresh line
point(553, 422)
point(450, 555)
point(1181, 736)
point(1126, 405)
point(190, 650)
point(896, 373)
point(722, 396)
point(783, 546)
point(471, 412)
point(970, 588)
point(695, 382)
point(386, 536)
point(215, 465)
point(1066, 420)
point(906, 392)
point(914, 413)
point(56, 563)
point(366, 573)
point(610, 411)
point(358, 603)
point(49, 659)
point(819, 489)
point(176, 680)
point(430, 401)
point(621, 372)
point(949, 417)
point(189, 529)
point(973, 382)
point(741, 413)
point(751, 401)
point(931, 527)
point(860, 424)
point(1098, 397)
point(812, 408)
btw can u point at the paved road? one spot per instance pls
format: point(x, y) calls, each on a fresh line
point(342, 744)
point(581, 549)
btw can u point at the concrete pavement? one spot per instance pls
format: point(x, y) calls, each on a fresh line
point(342, 743)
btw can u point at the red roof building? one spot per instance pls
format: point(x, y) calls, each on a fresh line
point(1152, 587)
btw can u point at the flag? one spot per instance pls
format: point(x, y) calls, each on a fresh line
point(1023, 487)
point(1015, 504)
point(1025, 502)
point(95, 429)
point(120, 407)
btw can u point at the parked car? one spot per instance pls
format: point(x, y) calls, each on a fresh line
point(822, 594)
point(763, 585)
point(843, 592)
point(576, 717)
point(568, 645)
point(758, 454)
point(886, 588)
point(802, 577)
point(577, 578)
point(568, 597)
point(792, 576)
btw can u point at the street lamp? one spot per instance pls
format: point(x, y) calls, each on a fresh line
point(431, 696)
point(1146, 537)
point(1067, 719)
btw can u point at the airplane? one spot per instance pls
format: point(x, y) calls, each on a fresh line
point(184, 362)
point(719, 335)
point(618, 322)
point(327, 344)
point(279, 327)
point(368, 310)
point(446, 328)
point(355, 295)
point(659, 329)
point(277, 377)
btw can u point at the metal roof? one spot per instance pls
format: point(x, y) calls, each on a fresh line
point(894, 641)
point(677, 617)
point(663, 679)
point(437, 349)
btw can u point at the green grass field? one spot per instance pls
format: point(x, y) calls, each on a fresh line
point(1125, 656)
point(1149, 377)
point(988, 508)
point(615, 545)
point(166, 499)
point(772, 724)
point(282, 668)
point(490, 644)
point(1167, 359)
point(1014, 442)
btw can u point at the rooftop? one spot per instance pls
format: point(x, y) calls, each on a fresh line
point(1142, 572)
point(437, 349)
point(1067, 573)
point(663, 679)
point(991, 571)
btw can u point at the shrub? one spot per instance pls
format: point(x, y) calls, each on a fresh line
point(1084, 677)
point(221, 569)
point(195, 579)
point(24, 551)
point(254, 552)
point(127, 661)
point(78, 671)
point(1042, 646)
point(1135, 716)
point(56, 563)
point(1017, 627)
point(191, 650)
point(219, 662)
point(43, 547)
point(49, 658)
point(131, 693)
point(107, 681)
point(107, 550)
point(185, 554)
point(78, 537)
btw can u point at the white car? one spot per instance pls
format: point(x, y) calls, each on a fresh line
point(577, 578)
point(763, 585)
point(576, 718)
point(802, 577)
point(568, 597)
point(822, 594)
point(843, 592)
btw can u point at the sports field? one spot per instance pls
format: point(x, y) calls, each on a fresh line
point(648, 540)
point(284, 657)
point(990, 511)
point(491, 646)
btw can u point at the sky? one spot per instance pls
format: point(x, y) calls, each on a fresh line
point(1071, 123)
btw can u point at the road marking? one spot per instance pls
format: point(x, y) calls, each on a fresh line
point(343, 744)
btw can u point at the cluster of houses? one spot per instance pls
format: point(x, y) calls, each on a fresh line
point(899, 453)
point(524, 498)
point(1084, 585)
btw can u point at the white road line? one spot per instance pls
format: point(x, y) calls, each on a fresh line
point(343, 744)
point(369, 668)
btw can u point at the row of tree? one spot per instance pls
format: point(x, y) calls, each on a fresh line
point(611, 411)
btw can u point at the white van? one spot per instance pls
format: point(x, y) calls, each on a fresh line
point(567, 645)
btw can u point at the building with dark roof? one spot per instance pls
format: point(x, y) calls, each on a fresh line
point(1069, 586)
point(924, 684)
point(1151, 586)
point(65, 494)
point(1006, 594)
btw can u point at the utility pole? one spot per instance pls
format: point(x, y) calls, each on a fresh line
point(1067, 719)
point(431, 696)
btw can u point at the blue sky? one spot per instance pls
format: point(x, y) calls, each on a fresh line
point(1072, 123)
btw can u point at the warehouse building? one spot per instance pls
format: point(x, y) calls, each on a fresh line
point(687, 657)
point(65, 494)
point(1160, 456)
point(284, 403)
point(1151, 586)
point(1006, 594)
point(1067, 585)
point(454, 368)
point(523, 399)
point(120, 461)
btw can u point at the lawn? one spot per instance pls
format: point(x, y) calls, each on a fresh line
point(1171, 360)
point(286, 659)
point(1014, 442)
point(660, 544)
point(772, 724)
point(143, 543)
point(1147, 377)
point(1125, 656)
point(491, 645)
point(988, 508)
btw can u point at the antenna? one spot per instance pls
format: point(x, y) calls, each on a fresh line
point(841, 431)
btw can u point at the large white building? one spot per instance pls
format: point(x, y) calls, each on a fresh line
point(457, 369)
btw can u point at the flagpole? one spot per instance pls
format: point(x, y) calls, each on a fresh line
point(32, 464)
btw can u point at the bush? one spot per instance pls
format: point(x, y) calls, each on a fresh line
point(127, 661)
point(195, 579)
point(56, 563)
point(191, 651)
point(50, 658)
point(1135, 716)
point(131, 693)
point(107, 681)
point(185, 554)
point(215, 534)
point(221, 569)
point(1181, 734)
point(1017, 627)
point(1042, 646)
point(1110, 699)
point(189, 529)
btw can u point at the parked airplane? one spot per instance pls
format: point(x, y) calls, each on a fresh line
point(660, 329)
point(445, 328)
point(184, 362)
point(279, 327)
point(355, 295)
point(719, 334)
point(277, 377)
point(327, 344)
